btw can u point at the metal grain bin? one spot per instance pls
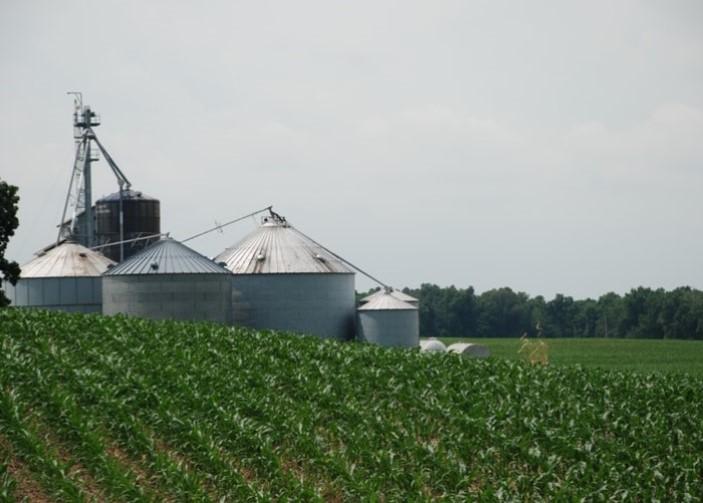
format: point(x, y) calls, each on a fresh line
point(387, 321)
point(432, 346)
point(64, 277)
point(142, 217)
point(168, 280)
point(470, 350)
point(394, 293)
point(284, 281)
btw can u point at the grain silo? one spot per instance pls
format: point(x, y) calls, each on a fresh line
point(394, 293)
point(141, 216)
point(168, 280)
point(65, 277)
point(388, 321)
point(283, 280)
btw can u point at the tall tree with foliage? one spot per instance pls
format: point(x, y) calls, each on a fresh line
point(9, 271)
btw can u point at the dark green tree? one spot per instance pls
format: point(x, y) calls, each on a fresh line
point(433, 315)
point(641, 309)
point(560, 313)
point(9, 271)
point(462, 312)
point(585, 318)
point(503, 313)
point(610, 308)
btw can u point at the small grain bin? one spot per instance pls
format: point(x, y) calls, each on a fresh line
point(168, 280)
point(388, 321)
point(141, 217)
point(285, 281)
point(65, 277)
point(432, 346)
point(469, 350)
point(394, 293)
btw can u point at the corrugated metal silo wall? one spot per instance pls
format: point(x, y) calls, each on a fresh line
point(391, 328)
point(142, 217)
point(71, 294)
point(316, 304)
point(196, 297)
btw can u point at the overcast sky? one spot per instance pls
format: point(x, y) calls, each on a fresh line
point(546, 146)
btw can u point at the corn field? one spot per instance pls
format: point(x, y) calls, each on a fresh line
point(122, 409)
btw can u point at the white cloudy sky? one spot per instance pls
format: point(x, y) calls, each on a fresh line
point(550, 146)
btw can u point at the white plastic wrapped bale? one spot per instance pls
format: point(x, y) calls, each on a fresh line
point(432, 346)
point(470, 350)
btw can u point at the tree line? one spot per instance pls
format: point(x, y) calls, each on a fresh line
point(502, 312)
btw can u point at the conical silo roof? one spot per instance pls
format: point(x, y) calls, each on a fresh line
point(66, 259)
point(167, 256)
point(277, 248)
point(394, 293)
point(386, 302)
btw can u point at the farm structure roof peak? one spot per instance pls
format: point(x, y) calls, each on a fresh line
point(276, 247)
point(66, 259)
point(167, 256)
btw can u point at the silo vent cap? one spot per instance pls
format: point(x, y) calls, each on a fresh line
point(154, 266)
point(260, 256)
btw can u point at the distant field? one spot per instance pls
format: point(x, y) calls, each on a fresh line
point(644, 355)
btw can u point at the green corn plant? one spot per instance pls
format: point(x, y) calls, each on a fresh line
point(7, 482)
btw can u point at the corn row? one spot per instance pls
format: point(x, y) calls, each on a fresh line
point(31, 449)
